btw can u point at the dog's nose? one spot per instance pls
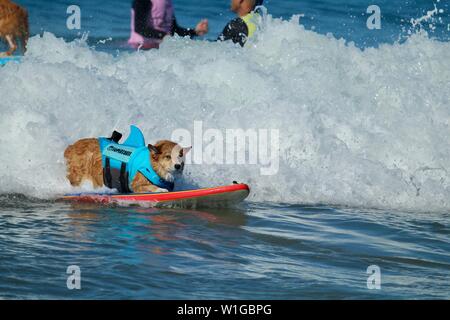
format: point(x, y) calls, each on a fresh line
point(178, 166)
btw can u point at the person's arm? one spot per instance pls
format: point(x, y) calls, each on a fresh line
point(182, 32)
point(236, 31)
point(142, 8)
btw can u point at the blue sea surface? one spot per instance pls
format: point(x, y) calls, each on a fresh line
point(344, 19)
point(256, 251)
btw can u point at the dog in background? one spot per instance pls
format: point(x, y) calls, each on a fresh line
point(13, 26)
point(84, 162)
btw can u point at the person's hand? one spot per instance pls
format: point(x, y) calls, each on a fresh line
point(202, 27)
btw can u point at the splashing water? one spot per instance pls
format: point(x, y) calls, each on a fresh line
point(431, 17)
point(365, 128)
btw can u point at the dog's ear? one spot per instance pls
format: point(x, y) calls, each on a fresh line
point(185, 151)
point(153, 148)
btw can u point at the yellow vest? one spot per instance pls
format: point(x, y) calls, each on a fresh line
point(251, 20)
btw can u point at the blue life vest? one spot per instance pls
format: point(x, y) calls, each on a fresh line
point(122, 162)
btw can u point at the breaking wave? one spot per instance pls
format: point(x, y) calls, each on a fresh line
point(366, 128)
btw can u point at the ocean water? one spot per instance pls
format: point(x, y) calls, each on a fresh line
point(343, 19)
point(363, 175)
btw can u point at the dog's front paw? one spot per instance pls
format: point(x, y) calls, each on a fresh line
point(161, 190)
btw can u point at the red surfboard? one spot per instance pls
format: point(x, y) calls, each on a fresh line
point(208, 197)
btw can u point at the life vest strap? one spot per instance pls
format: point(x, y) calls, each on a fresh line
point(124, 178)
point(107, 177)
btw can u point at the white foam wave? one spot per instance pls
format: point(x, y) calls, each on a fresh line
point(357, 127)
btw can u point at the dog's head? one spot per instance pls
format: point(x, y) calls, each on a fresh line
point(168, 158)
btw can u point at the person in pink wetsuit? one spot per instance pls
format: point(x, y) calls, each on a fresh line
point(152, 20)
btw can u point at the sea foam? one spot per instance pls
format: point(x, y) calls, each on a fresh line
point(365, 128)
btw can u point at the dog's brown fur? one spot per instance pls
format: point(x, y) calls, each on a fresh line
point(13, 25)
point(84, 162)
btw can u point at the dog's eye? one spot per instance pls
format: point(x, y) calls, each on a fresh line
point(168, 157)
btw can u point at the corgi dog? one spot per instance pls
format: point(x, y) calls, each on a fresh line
point(13, 26)
point(129, 167)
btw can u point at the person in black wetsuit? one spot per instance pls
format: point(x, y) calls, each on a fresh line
point(152, 20)
point(242, 28)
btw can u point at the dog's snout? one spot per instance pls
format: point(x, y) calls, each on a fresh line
point(178, 166)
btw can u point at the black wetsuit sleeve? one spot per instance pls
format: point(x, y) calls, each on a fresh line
point(236, 31)
point(142, 8)
point(182, 32)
